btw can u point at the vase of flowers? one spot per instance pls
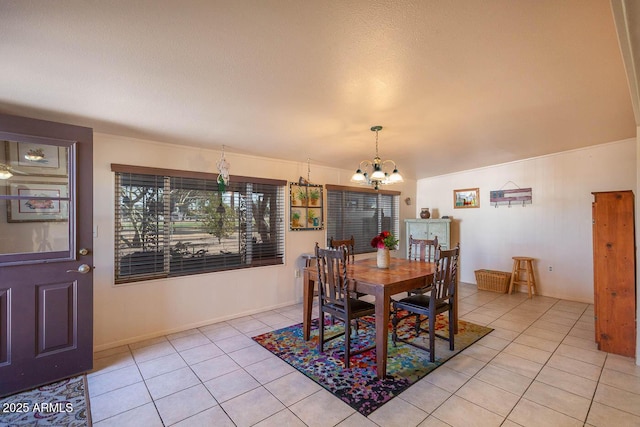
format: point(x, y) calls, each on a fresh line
point(384, 242)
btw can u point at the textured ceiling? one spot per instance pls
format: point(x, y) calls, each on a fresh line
point(456, 85)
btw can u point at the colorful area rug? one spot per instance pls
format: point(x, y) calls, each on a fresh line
point(358, 385)
point(61, 404)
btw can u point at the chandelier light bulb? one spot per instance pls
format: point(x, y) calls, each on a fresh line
point(377, 175)
point(358, 177)
point(395, 177)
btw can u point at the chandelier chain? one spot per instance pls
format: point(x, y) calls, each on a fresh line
point(377, 143)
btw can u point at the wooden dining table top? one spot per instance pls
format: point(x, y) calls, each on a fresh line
point(365, 273)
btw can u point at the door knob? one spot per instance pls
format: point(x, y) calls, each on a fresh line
point(82, 269)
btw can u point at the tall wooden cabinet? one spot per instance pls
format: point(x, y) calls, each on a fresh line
point(428, 229)
point(614, 272)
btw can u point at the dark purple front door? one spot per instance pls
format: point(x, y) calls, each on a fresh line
point(46, 257)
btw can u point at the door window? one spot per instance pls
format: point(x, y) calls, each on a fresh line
point(35, 195)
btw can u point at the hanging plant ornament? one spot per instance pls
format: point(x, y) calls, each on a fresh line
point(223, 170)
point(221, 185)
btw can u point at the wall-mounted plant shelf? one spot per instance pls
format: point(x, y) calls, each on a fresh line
point(305, 207)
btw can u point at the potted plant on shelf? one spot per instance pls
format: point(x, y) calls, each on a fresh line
point(302, 196)
point(312, 218)
point(314, 196)
point(295, 219)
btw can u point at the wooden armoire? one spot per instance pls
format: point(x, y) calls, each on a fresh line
point(614, 272)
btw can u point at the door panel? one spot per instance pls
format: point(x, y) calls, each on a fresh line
point(57, 311)
point(46, 303)
point(419, 231)
point(439, 230)
point(5, 322)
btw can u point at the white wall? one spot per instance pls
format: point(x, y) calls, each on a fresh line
point(555, 229)
point(128, 313)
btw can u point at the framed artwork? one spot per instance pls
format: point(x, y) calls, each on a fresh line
point(39, 201)
point(37, 159)
point(305, 207)
point(466, 198)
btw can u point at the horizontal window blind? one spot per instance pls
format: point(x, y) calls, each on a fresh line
point(362, 214)
point(140, 238)
point(167, 225)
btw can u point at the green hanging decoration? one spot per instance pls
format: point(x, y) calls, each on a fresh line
point(223, 171)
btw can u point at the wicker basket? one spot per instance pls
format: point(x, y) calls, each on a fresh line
point(491, 280)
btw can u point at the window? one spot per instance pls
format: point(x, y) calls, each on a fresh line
point(361, 213)
point(175, 223)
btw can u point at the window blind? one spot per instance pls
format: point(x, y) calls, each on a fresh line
point(361, 213)
point(171, 225)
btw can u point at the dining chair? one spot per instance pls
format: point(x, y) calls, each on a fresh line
point(439, 299)
point(421, 250)
point(350, 244)
point(336, 300)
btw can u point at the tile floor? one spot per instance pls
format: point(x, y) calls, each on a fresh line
point(539, 367)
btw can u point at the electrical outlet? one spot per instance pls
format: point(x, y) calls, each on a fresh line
point(550, 268)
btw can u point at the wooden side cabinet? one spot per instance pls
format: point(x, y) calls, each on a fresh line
point(428, 229)
point(614, 272)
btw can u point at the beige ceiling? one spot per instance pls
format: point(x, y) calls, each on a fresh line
point(456, 84)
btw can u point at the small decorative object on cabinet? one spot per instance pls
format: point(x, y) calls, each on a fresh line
point(614, 272)
point(305, 207)
point(425, 214)
point(428, 229)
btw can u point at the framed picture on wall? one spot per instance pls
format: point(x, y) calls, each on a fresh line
point(466, 198)
point(39, 201)
point(37, 159)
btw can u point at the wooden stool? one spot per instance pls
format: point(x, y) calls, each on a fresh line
point(522, 274)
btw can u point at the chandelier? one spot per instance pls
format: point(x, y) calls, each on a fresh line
point(5, 172)
point(374, 171)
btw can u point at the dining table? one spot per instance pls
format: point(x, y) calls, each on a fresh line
point(364, 276)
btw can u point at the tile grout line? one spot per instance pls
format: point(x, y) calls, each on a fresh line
point(545, 364)
point(473, 376)
point(501, 351)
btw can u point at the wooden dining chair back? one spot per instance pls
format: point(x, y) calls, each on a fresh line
point(422, 250)
point(439, 299)
point(336, 300)
point(348, 243)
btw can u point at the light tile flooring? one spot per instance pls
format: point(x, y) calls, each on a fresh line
point(539, 367)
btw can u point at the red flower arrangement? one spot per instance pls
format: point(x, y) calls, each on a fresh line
point(384, 240)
